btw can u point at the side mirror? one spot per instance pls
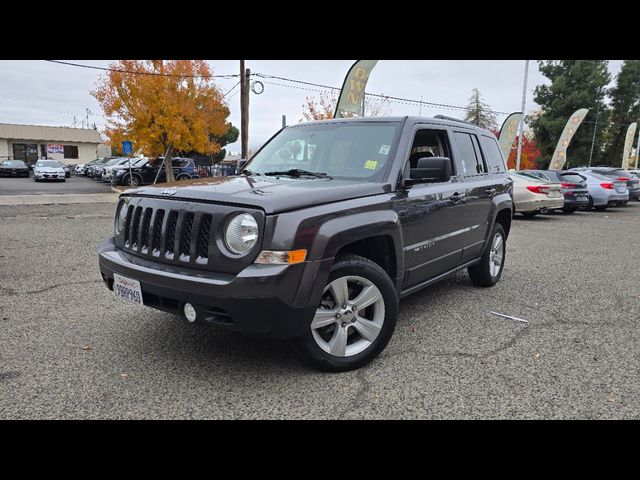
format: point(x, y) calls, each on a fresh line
point(428, 170)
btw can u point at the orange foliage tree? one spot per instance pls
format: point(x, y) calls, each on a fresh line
point(529, 156)
point(324, 107)
point(173, 105)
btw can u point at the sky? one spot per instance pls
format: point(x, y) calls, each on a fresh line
point(43, 93)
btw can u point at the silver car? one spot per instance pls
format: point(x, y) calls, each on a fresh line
point(603, 191)
point(48, 170)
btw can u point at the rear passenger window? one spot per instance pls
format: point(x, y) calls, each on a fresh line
point(470, 161)
point(495, 161)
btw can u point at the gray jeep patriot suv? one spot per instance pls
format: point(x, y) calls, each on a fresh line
point(322, 232)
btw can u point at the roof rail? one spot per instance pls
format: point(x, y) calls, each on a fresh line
point(444, 117)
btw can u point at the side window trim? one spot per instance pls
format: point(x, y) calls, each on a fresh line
point(480, 157)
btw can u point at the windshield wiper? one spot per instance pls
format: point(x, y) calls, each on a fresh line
point(297, 172)
point(248, 172)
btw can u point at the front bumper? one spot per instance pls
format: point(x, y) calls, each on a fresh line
point(634, 193)
point(262, 300)
point(18, 173)
point(50, 176)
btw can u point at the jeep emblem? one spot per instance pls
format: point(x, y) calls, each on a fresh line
point(168, 191)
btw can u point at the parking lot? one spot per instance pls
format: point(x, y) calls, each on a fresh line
point(69, 349)
point(75, 184)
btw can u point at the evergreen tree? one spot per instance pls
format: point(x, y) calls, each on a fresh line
point(625, 109)
point(479, 112)
point(574, 84)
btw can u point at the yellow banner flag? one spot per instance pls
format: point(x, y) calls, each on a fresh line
point(351, 100)
point(560, 154)
point(508, 133)
point(628, 143)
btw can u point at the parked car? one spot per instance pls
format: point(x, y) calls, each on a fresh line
point(67, 171)
point(98, 168)
point(123, 163)
point(603, 192)
point(572, 185)
point(532, 196)
point(320, 248)
point(14, 168)
point(79, 169)
point(619, 175)
point(88, 165)
point(48, 170)
point(183, 169)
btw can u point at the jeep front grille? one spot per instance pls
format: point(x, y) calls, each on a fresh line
point(179, 233)
point(145, 228)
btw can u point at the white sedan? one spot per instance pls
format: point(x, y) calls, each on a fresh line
point(531, 196)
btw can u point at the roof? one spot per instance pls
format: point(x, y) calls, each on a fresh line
point(437, 120)
point(54, 134)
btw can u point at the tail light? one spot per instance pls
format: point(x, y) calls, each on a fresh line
point(538, 189)
point(623, 179)
point(568, 185)
point(607, 185)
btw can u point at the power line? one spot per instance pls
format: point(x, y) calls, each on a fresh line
point(231, 89)
point(386, 97)
point(133, 72)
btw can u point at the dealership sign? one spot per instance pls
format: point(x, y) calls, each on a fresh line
point(55, 148)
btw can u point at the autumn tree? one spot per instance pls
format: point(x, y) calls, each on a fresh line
point(324, 107)
point(479, 112)
point(163, 107)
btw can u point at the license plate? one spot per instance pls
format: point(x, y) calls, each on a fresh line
point(127, 290)
point(582, 198)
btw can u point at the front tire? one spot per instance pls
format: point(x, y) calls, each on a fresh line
point(183, 177)
point(568, 209)
point(356, 317)
point(489, 270)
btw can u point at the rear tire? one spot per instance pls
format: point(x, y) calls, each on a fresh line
point(183, 177)
point(489, 270)
point(529, 214)
point(589, 206)
point(568, 209)
point(341, 339)
point(601, 208)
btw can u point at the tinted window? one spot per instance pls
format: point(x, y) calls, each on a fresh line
point(482, 165)
point(571, 177)
point(468, 160)
point(13, 163)
point(180, 163)
point(494, 159)
point(70, 151)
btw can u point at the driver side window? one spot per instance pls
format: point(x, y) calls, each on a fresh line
point(428, 143)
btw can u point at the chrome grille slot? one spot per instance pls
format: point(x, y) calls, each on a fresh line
point(144, 228)
point(170, 237)
point(203, 237)
point(127, 223)
point(185, 236)
point(157, 230)
point(135, 224)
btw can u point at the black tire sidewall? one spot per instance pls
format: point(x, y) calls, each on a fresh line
point(353, 265)
point(480, 273)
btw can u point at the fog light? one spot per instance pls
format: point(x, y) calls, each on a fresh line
point(189, 312)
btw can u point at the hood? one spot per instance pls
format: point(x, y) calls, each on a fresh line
point(268, 193)
point(49, 169)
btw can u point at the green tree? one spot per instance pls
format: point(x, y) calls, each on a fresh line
point(479, 112)
point(625, 109)
point(574, 84)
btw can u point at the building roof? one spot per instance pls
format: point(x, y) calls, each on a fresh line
point(54, 134)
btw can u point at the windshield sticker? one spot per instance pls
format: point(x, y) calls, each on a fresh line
point(371, 164)
point(384, 149)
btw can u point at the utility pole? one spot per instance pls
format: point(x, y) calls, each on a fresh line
point(595, 127)
point(524, 100)
point(88, 112)
point(284, 121)
point(244, 110)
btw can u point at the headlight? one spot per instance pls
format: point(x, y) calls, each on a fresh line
point(121, 216)
point(119, 172)
point(241, 233)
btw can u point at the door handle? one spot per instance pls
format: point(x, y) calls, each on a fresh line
point(457, 197)
point(490, 191)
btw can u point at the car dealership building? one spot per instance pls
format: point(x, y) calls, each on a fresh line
point(65, 144)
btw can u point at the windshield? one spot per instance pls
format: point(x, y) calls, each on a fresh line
point(354, 150)
point(13, 163)
point(48, 164)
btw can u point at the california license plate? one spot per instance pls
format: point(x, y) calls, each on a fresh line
point(127, 290)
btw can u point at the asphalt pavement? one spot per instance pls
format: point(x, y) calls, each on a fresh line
point(74, 185)
point(69, 349)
